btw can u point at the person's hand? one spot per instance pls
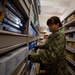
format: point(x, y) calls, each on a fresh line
point(36, 48)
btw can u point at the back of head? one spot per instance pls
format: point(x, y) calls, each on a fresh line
point(54, 20)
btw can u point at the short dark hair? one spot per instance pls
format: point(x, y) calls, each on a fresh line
point(54, 20)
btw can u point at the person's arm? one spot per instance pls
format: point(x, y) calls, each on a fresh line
point(45, 44)
point(41, 46)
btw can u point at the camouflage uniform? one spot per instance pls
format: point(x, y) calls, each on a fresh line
point(54, 57)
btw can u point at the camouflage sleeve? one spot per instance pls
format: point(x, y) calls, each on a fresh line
point(45, 46)
point(35, 58)
point(56, 49)
point(39, 58)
